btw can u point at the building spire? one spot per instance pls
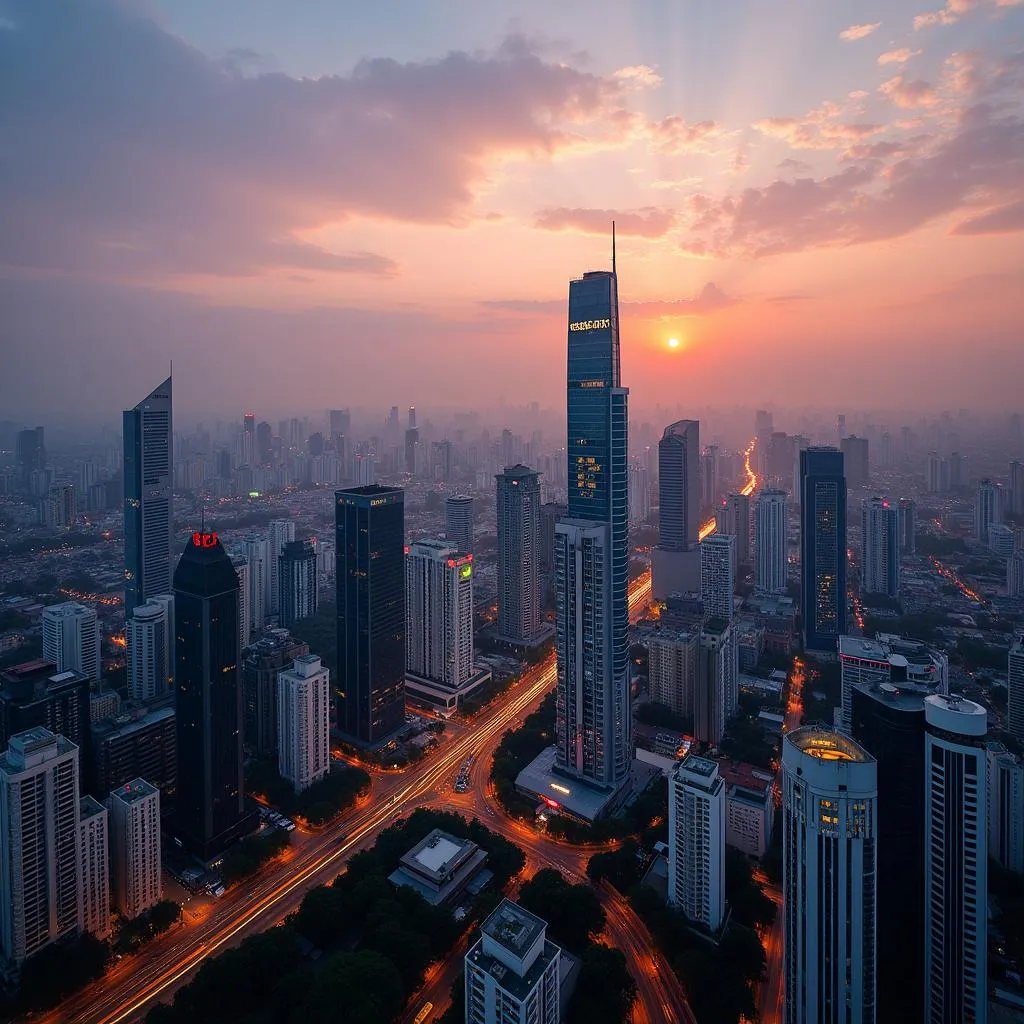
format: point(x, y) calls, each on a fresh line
point(613, 247)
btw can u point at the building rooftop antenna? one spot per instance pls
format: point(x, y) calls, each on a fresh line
point(613, 247)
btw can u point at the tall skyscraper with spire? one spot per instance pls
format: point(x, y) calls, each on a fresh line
point(148, 501)
point(593, 720)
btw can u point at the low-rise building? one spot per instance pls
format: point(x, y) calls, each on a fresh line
point(749, 807)
point(439, 867)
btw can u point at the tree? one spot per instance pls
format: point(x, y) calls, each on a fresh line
point(353, 988)
point(750, 905)
point(620, 867)
point(320, 916)
point(605, 990)
point(573, 912)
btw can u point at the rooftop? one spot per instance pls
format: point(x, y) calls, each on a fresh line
point(826, 744)
point(513, 928)
point(437, 853)
point(739, 773)
point(89, 808)
point(137, 789)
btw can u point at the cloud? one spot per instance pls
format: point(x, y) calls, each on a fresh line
point(1004, 220)
point(710, 299)
point(898, 56)
point(954, 10)
point(137, 154)
point(909, 94)
point(815, 130)
point(855, 32)
point(649, 222)
point(674, 134)
point(642, 76)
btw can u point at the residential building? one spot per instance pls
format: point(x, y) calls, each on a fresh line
point(1015, 688)
point(458, 522)
point(715, 687)
point(1005, 786)
point(749, 807)
point(135, 847)
point(672, 657)
point(262, 662)
point(240, 563)
point(136, 744)
point(257, 555)
point(297, 582)
point(1015, 574)
point(518, 514)
point(71, 639)
point(880, 548)
point(1016, 487)
point(93, 867)
point(149, 647)
point(696, 841)
point(280, 532)
point(770, 555)
point(675, 566)
point(304, 722)
point(1002, 539)
point(988, 511)
point(733, 519)
point(34, 694)
point(639, 493)
point(717, 580)
point(907, 512)
point(60, 509)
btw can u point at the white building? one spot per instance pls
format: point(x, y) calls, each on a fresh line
point(39, 843)
point(1005, 783)
point(303, 722)
point(149, 637)
point(279, 533)
point(955, 861)
point(829, 825)
point(672, 669)
point(1002, 539)
point(717, 564)
point(135, 847)
point(257, 553)
point(770, 542)
point(71, 638)
point(988, 511)
point(94, 867)
point(512, 970)
point(639, 493)
point(696, 841)
point(241, 566)
point(749, 807)
point(1015, 574)
point(880, 547)
point(1015, 688)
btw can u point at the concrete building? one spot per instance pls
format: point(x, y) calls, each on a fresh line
point(907, 513)
point(749, 807)
point(1002, 540)
point(1015, 574)
point(988, 510)
point(696, 841)
point(262, 662)
point(1015, 688)
point(880, 548)
point(149, 645)
point(512, 970)
point(279, 533)
point(1005, 785)
point(35, 694)
point(458, 522)
point(135, 744)
point(257, 555)
point(439, 867)
point(296, 583)
point(823, 548)
point(829, 794)
point(60, 507)
point(672, 656)
point(135, 847)
point(518, 515)
point(71, 639)
point(715, 686)
point(675, 566)
point(717, 575)
point(240, 563)
point(304, 722)
point(733, 520)
point(94, 867)
point(770, 554)
point(855, 458)
point(639, 493)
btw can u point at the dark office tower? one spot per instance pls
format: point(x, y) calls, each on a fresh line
point(822, 547)
point(261, 663)
point(518, 515)
point(30, 453)
point(679, 486)
point(223, 460)
point(593, 723)
point(297, 582)
point(550, 513)
point(458, 522)
point(855, 460)
point(880, 548)
point(339, 423)
point(370, 554)
point(907, 511)
point(148, 501)
point(208, 681)
point(140, 747)
point(412, 417)
point(264, 443)
point(412, 441)
point(315, 444)
point(249, 439)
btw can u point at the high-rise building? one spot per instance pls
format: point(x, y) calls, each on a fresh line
point(149, 646)
point(733, 519)
point(297, 582)
point(1005, 784)
point(550, 513)
point(135, 847)
point(936, 474)
point(71, 638)
point(279, 533)
point(518, 513)
point(303, 722)
point(512, 970)
point(1016, 487)
point(672, 656)
point(989, 509)
point(709, 476)
point(339, 423)
point(717, 564)
point(412, 444)
point(880, 548)
point(907, 512)
point(370, 551)
point(240, 563)
point(93, 867)
point(696, 841)
point(639, 494)
point(249, 439)
point(40, 898)
point(830, 840)
point(822, 547)
point(593, 724)
point(34, 694)
point(679, 486)
point(139, 745)
point(1015, 574)
point(262, 662)
point(770, 542)
point(855, 460)
point(458, 522)
point(714, 694)
point(257, 554)
point(29, 453)
point(1015, 688)
point(955, 861)
point(148, 501)
point(60, 507)
point(210, 805)
point(1002, 540)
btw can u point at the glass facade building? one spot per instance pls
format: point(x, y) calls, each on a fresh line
point(370, 554)
point(591, 553)
point(148, 502)
point(822, 547)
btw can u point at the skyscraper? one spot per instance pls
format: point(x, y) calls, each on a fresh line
point(71, 638)
point(734, 519)
point(679, 486)
point(593, 723)
point(1015, 688)
point(518, 512)
point(149, 645)
point(135, 847)
point(672, 656)
point(1005, 785)
point(639, 494)
point(956, 862)
point(458, 522)
point(1016, 487)
point(29, 453)
point(907, 514)
point(829, 829)
point(261, 664)
point(93, 868)
point(297, 582)
point(770, 542)
point(880, 548)
point(989, 509)
point(303, 722)
point(717, 582)
point(822, 547)
point(210, 807)
point(240, 563)
point(279, 533)
point(696, 841)
point(714, 694)
point(370, 552)
point(855, 460)
point(148, 502)
point(257, 554)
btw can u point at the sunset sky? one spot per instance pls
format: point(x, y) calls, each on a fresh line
point(311, 203)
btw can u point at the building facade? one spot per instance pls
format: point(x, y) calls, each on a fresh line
point(297, 582)
point(304, 722)
point(261, 664)
point(770, 542)
point(149, 648)
point(93, 867)
point(458, 522)
point(1015, 688)
point(880, 548)
point(1005, 785)
point(733, 518)
point(71, 638)
point(139, 745)
point(135, 847)
point(717, 580)
point(280, 532)
point(674, 567)
point(988, 510)
point(518, 512)
point(672, 656)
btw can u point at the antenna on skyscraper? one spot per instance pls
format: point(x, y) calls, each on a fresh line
point(613, 247)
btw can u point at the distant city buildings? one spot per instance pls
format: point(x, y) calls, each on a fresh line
point(1005, 786)
point(1015, 688)
point(135, 847)
point(733, 519)
point(770, 551)
point(303, 722)
point(907, 511)
point(518, 514)
point(71, 639)
point(639, 494)
point(855, 460)
point(988, 510)
point(297, 582)
point(880, 548)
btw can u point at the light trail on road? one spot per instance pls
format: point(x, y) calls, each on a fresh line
point(709, 526)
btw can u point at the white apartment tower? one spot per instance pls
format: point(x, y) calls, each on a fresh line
point(717, 565)
point(149, 636)
point(955, 861)
point(39, 843)
point(829, 824)
point(880, 547)
point(639, 493)
point(1005, 784)
point(94, 868)
point(770, 542)
point(71, 638)
point(279, 533)
point(135, 847)
point(512, 970)
point(257, 553)
point(303, 722)
point(696, 841)
point(241, 566)
point(1015, 688)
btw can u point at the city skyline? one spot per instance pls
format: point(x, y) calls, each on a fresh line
point(755, 221)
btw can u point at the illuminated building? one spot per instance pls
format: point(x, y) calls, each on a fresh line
point(672, 668)
point(770, 542)
point(303, 722)
point(279, 533)
point(717, 565)
point(518, 514)
point(71, 638)
point(675, 566)
point(733, 519)
point(907, 511)
point(149, 646)
point(512, 970)
point(93, 867)
point(822, 547)
point(458, 522)
point(210, 805)
point(696, 841)
point(370, 582)
point(297, 583)
point(880, 548)
point(855, 460)
point(135, 847)
point(829, 830)
point(261, 663)
point(989, 509)
point(148, 504)
point(1005, 783)
point(955, 862)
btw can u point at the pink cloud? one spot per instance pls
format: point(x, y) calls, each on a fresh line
point(855, 32)
point(954, 10)
point(649, 222)
point(1004, 220)
point(898, 56)
point(675, 134)
point(909, 94)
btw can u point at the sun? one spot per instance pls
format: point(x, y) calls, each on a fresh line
point(673, 343)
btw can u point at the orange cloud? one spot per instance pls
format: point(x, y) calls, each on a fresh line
point(909, 94)
point(898, 56)
point(855, 32)
point(649, 222)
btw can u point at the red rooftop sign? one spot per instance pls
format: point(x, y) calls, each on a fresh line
point(204, 540)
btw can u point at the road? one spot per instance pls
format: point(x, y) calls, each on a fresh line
point(129, 989)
